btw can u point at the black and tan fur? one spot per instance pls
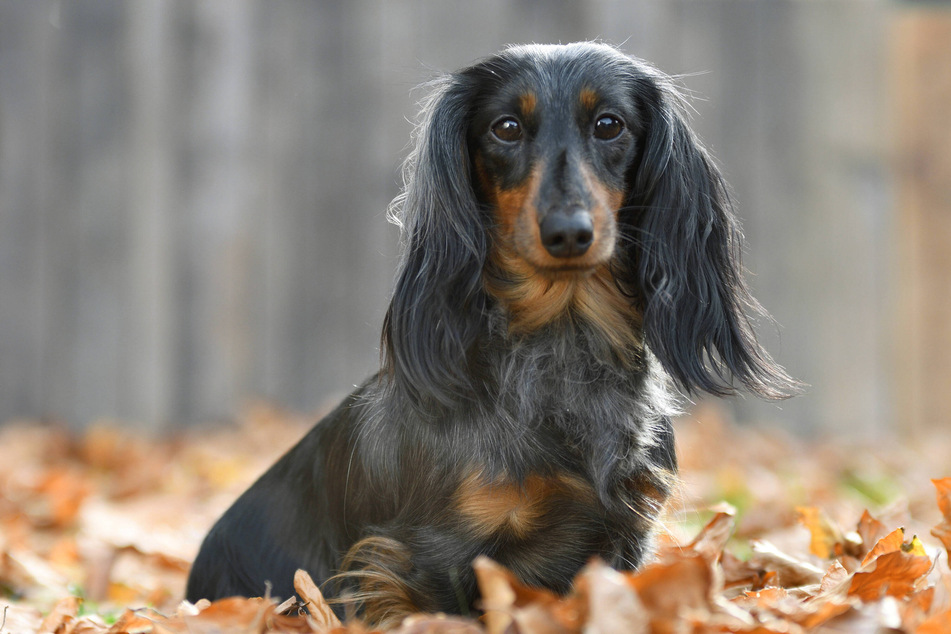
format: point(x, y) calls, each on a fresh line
point(570, 255)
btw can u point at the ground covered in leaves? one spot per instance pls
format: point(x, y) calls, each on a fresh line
point(769, 534)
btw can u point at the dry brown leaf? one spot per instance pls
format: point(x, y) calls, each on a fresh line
point(825, 612)
point(779, 604)
point(712, 538)
point(916, 608)
point(137, 466)
point(938, 624)
point(241, 615)
point(679, 584)
point(922, 600)
point(438, 624)
point(29, 574)
point(238, 614)
point(498, 594)
point(943, 530)
point(824, 534)
point(613, 605)
point(765, 599)
point(833, 579)
point(131, 622)
point(62, 613)
point(870, 530)
point(91, 624)
point(790, 571)
point(539, 619)
point(19, 618)
point(830, 601)
point(63, 491)
point(878, 617)
point(943, 486)
point(738, 573)
point(887, 544)
point(313, 598)
point(507, 601)
point(891, 574)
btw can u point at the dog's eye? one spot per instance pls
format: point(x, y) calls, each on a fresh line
point(608, 127)
point(507, 129)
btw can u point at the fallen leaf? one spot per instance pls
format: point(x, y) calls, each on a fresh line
point(613, 605)
point(938, 624)
point(313, 598)
point(887, 544)
point(765, 599)
point(891, 574)
point(507, 601)
point(824, 534)
point(712, 538)
point(922, 600)
point(943, 530)
point(683, 583)
point(877, 617)
point(739, 573)
point(130, 622)
point(833, 579)
point(62, 614)
point(790, 571)
point(823, 613)
point(28, 574)
point(19, 618)
point(916, 608)
point(498, 594)
point(870, 530)
point(438, 624)
point(235, 613)
point(63, 490)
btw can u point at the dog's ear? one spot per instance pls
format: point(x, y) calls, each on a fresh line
point(438, 302)
point(685, 247)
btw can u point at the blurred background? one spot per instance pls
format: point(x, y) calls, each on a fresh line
point(192, 192)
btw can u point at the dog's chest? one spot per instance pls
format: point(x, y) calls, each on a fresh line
point(543, 452)
point(492, 507)
point(561, 407)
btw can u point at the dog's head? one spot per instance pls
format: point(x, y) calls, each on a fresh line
point(551, 146)
point(563, 183)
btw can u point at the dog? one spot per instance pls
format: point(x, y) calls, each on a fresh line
point(570, 263)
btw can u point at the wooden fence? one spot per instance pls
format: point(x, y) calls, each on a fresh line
point(192, 192)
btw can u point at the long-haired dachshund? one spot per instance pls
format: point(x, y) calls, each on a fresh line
point(570, 254)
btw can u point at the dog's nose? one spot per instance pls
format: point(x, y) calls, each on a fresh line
point(567, 234)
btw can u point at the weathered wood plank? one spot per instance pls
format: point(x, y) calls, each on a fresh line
point(148, 358)
point(24, 44)
point(922, 55)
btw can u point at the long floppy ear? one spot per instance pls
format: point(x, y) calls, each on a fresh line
point(687, 245)
point(438, 302)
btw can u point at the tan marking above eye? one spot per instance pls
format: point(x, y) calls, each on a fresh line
point(527, 103)
point(589, 99)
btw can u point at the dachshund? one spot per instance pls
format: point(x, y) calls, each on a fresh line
point(570, 262)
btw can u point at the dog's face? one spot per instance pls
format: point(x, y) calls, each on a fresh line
point(552, 143)
point(563, 185)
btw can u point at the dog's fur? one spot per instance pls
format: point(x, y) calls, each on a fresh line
point(522, 408)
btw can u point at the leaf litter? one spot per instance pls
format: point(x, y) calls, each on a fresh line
point(769, 534)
